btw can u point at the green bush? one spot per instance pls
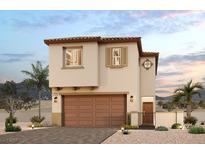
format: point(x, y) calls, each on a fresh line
point(129, 127)
point(37, 124)
point(190, 120)
point(161, 128)
point(10, 128)
point(37, 119)
point(197, 130)
point(126, 132)
point(14, 119)
point(176, 126)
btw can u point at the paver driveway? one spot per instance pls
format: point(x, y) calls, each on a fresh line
point(61, 135)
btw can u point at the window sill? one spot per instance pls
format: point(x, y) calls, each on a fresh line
point(73, 67)
point(116, 66)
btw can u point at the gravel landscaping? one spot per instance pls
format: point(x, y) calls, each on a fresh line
point(25, 116)
point(156, 137)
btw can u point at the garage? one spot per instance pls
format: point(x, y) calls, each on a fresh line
point(94, 110)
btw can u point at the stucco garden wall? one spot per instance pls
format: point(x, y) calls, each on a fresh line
point(169, 118)
point(199, 114)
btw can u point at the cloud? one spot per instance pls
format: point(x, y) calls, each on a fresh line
point(169, 86)
point(14, 57)
point(132, 22)
point(176, 70)
point(162, 92)
point(143, 22)
point(169, 73)
point(179, 13)
point(42, 19)
point(191, 57)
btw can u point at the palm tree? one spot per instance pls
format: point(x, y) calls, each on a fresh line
point(38, 78)
point(186, 93)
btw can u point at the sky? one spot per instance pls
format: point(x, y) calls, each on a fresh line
point(179, 36)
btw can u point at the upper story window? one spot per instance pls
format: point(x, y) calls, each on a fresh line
point(72, 57)
point(116, 57)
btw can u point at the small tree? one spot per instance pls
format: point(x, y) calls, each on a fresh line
point(171, 106)
point(202, 104)
point(177, 101)
point(12, 101)
point(160, 103)
point(38, 78)
point(186, 93)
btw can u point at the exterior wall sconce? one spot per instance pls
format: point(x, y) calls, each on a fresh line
point(131, 98)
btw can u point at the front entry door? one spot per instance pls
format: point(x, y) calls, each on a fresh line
point(148, 113)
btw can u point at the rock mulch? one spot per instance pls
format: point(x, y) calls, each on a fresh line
point(156, 137)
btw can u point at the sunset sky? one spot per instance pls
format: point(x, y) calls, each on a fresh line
point(179, 36)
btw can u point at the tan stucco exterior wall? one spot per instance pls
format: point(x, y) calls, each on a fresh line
point(147, 78)
point(57, 109)
point(132, 80)
point(147, 83)
point(86, 76)
point(119, 80)
point(122, 79)
point(56, 119)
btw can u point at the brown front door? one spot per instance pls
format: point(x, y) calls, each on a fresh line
point(94, 111)
point(148, 113)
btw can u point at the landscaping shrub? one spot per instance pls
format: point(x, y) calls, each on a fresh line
point(129, 127)
point(176, 126)
point(197, 130)
point(190, 120)
point(14, 120)
point(37, 119)
point(161, 128)
point(202, 123)
point(129, 118)
point(124, 131)
point(11, 128)
point(36, 125)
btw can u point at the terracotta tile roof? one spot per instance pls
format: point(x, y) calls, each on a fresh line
point(91, 39)
point(150, 54)
point(72, 39)
point(119, 39)
point(96, 39)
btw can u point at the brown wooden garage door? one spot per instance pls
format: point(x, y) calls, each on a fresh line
point(94, 111)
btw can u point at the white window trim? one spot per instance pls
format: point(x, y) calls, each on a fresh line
point(75, 65)
point(114, 57)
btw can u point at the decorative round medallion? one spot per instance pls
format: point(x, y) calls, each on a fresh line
point(147, 64)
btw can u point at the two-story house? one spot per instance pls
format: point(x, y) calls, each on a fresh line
point(97, 81)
